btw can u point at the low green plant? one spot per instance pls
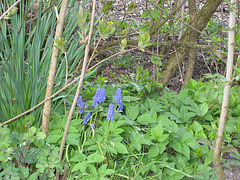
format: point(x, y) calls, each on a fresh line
point(27, 155)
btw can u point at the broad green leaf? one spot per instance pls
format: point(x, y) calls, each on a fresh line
point(186, 150)
point(92, 169)
point(130, 98)
point(145, 119)
point(204, 108)
point(111, 149)
point(34, 176)
point(163, 137)
point(23, 172)
point(72, 129)
point(157, 132)
point(95, 158)
point(108, 172)
point(162, 148)
point(78, 166)
point(175, 112)
point(121, 148)
point(182, 94)
point(154, 151)
point(132, 112)
point(194, 145)
point(53, 138)
point(192, 84)
point(102, 169)
point(78, 158)
point(176, 146)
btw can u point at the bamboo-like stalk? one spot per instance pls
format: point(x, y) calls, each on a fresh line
point(227, 89)
point(79, 85)
point(52, 71)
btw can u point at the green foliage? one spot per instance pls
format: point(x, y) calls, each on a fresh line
point(27, 156)
point(25, 54)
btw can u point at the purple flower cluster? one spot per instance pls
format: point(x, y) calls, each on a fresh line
point(100, 96)
point(86, 118)
point(110, 112)
point(118, 99)
point(81, 104)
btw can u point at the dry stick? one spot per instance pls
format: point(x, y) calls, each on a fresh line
point(226, 94)
point(79, 85)
point(64, 102)
point(4, 14)
point(206, 62)
point(91, 58)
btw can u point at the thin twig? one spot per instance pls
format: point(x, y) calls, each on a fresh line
point(79, 84)
point(4, 14)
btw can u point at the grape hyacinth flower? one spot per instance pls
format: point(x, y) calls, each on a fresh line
point(96, 98)
point(120, 107)
point(118, 96)
point(85, 119)
point(118, 99)
point(102, 96)
point(81, 108)
point(110, 112)
point(79, 102)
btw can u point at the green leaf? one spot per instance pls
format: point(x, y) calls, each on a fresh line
point(176, 146)
point(82, 166)
point(108, 172)
point(102, 169)
point(157, 132)
point(130, 98)
point(34, 176)
point(78, 158)
point(204, 108)
point(72, 139)
point(41, 135)
point(192, 84)
point(163, 137)
point(95, 158)
point(182, 94)
point(154, 151)
point(175, 112)
point(162, 148)
point(145, 119)
point(53, 138)
point(111, 149)
point(23, 172)
point(132, 112)
point(121, 148)
point(186, 150)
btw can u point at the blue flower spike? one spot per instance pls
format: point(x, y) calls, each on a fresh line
point(118, 96)
point(96, 98)
point(102, 96)
point(110, 112)
point(79, 102)
point(85, 119)
point(118, 99)
point(82, 106)
point(120, 107)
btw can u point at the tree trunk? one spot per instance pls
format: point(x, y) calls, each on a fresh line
point(192, 39)
point(203, 17)
point(52, 70)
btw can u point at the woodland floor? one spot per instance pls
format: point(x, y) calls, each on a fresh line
point(127, 64)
